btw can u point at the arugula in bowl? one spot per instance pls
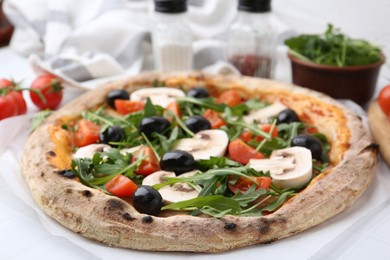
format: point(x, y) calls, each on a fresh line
point(333, 48)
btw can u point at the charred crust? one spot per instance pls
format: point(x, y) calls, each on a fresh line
point(87, 193)
point(147, 219)
point(42, 174)
point(114, 204)
point(128, 217)
point(373, 147)
point(68, 191)
point(51, 154)
point(265, 224)
point(230, 226)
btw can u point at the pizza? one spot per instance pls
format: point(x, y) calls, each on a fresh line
point(379, 118)
point(197, 162)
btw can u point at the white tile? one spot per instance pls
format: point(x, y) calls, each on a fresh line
point(50, 248)
point(10, 200)
point(20, 234)
point(368, 248)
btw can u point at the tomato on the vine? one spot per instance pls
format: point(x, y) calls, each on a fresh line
point(384, 100)
point(12, 102)
point(51, 89)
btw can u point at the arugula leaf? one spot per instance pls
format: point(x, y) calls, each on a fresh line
point(333, 48)
point(216, 162)
point(149, 109)
point(39, 118)
point(249, 196)
point(217, 202)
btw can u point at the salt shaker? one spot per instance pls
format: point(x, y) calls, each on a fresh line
point(172, 37)
point(252, 39)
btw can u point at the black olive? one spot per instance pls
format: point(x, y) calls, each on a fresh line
point(116, 94)
point(177, 161)
point(198, 92)
point(154, 124)
point(197, 123)
point(112, 134)
point(287, 116)
point(67, 174)
point(147, 200)
point(310, 142)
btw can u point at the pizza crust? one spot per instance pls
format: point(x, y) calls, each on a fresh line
point(380, 126)
point(114, 222)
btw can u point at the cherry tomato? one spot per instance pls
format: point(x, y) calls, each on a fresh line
point(87, 133)
point(384, 100)
point(51, 89)
point(243, 184)
point(174, 108)
point(150, 164)
point(12, 102)
point(246, 136)
point(121, 186)
point(230, 98)
point(242, 153)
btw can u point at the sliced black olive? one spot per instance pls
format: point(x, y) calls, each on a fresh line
point(197, 123)
point(198, 92)
point(310, 142)
point(67, 174)
point(287, 116)
point(116, 94)
point(147, 200)
point(177, 161)
point(154, 124)
point(112, 134)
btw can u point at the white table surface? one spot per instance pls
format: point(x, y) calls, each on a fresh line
point(23, 236)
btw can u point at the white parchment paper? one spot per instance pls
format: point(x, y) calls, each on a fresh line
point(14, 131)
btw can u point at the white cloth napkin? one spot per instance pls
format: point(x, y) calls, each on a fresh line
point(83, 40)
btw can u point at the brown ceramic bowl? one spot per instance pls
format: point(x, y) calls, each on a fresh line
point(350, 82)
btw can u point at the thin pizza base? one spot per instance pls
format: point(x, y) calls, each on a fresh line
point(115, 222)
point(380, 127)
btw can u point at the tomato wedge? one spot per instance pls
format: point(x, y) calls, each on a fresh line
point(243, 184)
point(174, 108)
point(121, 186)
point(215, 120)
point(384, 100)
point(246, 136)
point(87, 133)
point(125, 107)
point(230, 98)
point(242, 153)
point(150, 164)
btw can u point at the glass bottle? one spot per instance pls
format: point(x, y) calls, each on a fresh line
point(172, 37)
point(252, 39)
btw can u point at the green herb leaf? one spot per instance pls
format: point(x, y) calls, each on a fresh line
point(39, 118)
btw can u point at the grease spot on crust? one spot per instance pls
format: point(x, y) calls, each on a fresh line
point(147, 219)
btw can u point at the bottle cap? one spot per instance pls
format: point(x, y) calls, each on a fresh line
point(170, 6)
point(255, 6)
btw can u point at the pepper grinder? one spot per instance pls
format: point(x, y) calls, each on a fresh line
point(252, 39)
point(172, 37)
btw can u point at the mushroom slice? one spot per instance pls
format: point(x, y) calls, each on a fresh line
point(262, 116)
point(205, 144)
point(159, 96)
point(175, 193)
point(88, 151)
point(289, 167)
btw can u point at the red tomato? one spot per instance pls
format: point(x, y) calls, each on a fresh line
point(87, 133)
point(12, 102)
point(384, 100)
point(174, 108)
point(215, 120)
point(125, 107)
point(121, 186)
point(230, 98)
point(150, 164)
point(246, 136)
point(243, 184)
point(51, 89)
point(242, 153)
